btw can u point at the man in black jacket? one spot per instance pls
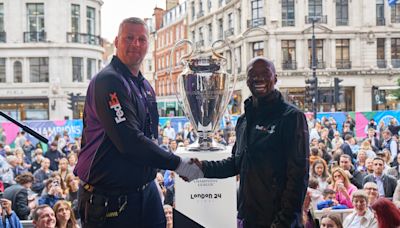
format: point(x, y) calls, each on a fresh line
point(270, 154)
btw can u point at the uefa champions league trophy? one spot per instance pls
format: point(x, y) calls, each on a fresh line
point(203, 90)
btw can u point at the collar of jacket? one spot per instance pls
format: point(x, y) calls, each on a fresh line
point(264, 106)
point(120, 66)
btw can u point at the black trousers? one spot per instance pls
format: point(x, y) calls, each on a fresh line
point(143, 209)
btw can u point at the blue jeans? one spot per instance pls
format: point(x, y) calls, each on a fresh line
point(143, 209)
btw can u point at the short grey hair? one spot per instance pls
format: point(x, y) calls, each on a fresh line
point(133, 20)
point(37, 210)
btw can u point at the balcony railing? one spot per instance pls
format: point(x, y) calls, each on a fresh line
point(396, 63)
point(395, 19)
point(380, 21)
point(381, 63)
point(84, 38)
point(319, 65)
point(289, 65)
point(317, 19)
point(343, 64)
point(229, 32)
point(30, 37)
point(2, 37)
point(200, 14)
point(342, 21)
point(288, 22)
point(256, 22)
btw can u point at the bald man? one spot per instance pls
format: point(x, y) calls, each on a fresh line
point(270, 154)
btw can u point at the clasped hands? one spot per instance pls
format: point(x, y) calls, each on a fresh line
point(190, 169)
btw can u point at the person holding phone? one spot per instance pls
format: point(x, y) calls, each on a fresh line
point(8, 217)
point(342, 186)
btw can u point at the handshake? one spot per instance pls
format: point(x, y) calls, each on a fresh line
point(189, 169)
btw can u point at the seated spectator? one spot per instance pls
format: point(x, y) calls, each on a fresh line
point(354, 176)
point(387, 214)
point(72, 159)
point(319, 171)
point(37, 159)
point(169, 216)
point(314, 193)
point(41, 175)
point(386, 183)
point(314, 155)
point(329, 201)
point(6, 173)
point(54, 156)
point(15, 165)
point(386, 156)
point(72, 183)
point(65, 217)
point(395, 170)
point(18, 194)
point(23, 160)
point(369, 164)
point(342, 186)
point(43, 217)
point(372, 192)
point(396, 195)
point(360, 164)
point(366, 145)
point(63, 186)
point(11, 218)
point(337, 141)
point(63, 168)
point(362, 216)
point(331, 221)
point(53, 193)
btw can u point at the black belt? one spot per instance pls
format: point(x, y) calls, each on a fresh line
point(118, 191)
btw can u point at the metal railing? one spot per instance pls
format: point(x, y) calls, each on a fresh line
point(30, 37)
point(319, 65)
point(3, 37)
point(288, 22)
point(342, 21)
point(289, 65)
point(380, 21)
point(381, 63)
point(229, 32)
point(323, 19)
point(343, 64)
point(84, 38)
point(256, 22)
point(396, 63)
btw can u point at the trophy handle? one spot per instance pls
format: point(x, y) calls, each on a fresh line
point(233, 75)
point(182, 61)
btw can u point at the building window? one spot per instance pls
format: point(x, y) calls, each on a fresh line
point(342, 12)
point(257, 9)
point(193, 11)
point(194, 35)
point(209, 5)
point(39, 69)
point(75, 18)
point(2, 69)
point(315, 8)
point(319, 53)
point(343, 54)
point(220, 28)
point(239, 59)
point(91, 67)
point(258, 48)
point(289, 54)
point(395, 13)
point(77, 69)
point(210, 35)
point(239, 20)
point(380, 12)
point(17, 72)
point(91, 24)
point(380, 53)
point(230, 20)
point(201, 37)
point(288, 13)
point(395, 52)
point(35, 16)
point(2, 33)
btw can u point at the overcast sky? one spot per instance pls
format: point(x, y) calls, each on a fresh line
point(114, 11)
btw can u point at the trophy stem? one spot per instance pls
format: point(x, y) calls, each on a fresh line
point(205, 142)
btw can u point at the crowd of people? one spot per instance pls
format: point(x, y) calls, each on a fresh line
point(348, 172)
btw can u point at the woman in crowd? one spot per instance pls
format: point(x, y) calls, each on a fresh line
point(63, 168)
point(331, 221)
point(366, 145)
point(337, 141)
point(319, 170)
point(387, 214)
point(53, 193)
point(64, 215)
point(64, 188)
point(360, 163)
point(342, 186)
point(72, 183)
point(362, 217)
point(23, 160)
point(72, 159)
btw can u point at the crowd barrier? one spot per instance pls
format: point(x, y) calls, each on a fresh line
point(27, 224)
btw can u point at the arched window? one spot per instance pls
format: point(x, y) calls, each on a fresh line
point(17, 72)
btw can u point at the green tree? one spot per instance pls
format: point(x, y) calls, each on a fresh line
point(397, 91)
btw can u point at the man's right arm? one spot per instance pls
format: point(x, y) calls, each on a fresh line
point(121, 123)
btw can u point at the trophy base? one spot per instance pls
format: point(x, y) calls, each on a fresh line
point(205, 146)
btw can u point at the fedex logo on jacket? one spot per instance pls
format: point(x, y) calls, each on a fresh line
point(116, 106)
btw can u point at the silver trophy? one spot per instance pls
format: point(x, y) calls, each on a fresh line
point(204, 91)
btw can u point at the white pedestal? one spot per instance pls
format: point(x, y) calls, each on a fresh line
point(209, 202)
